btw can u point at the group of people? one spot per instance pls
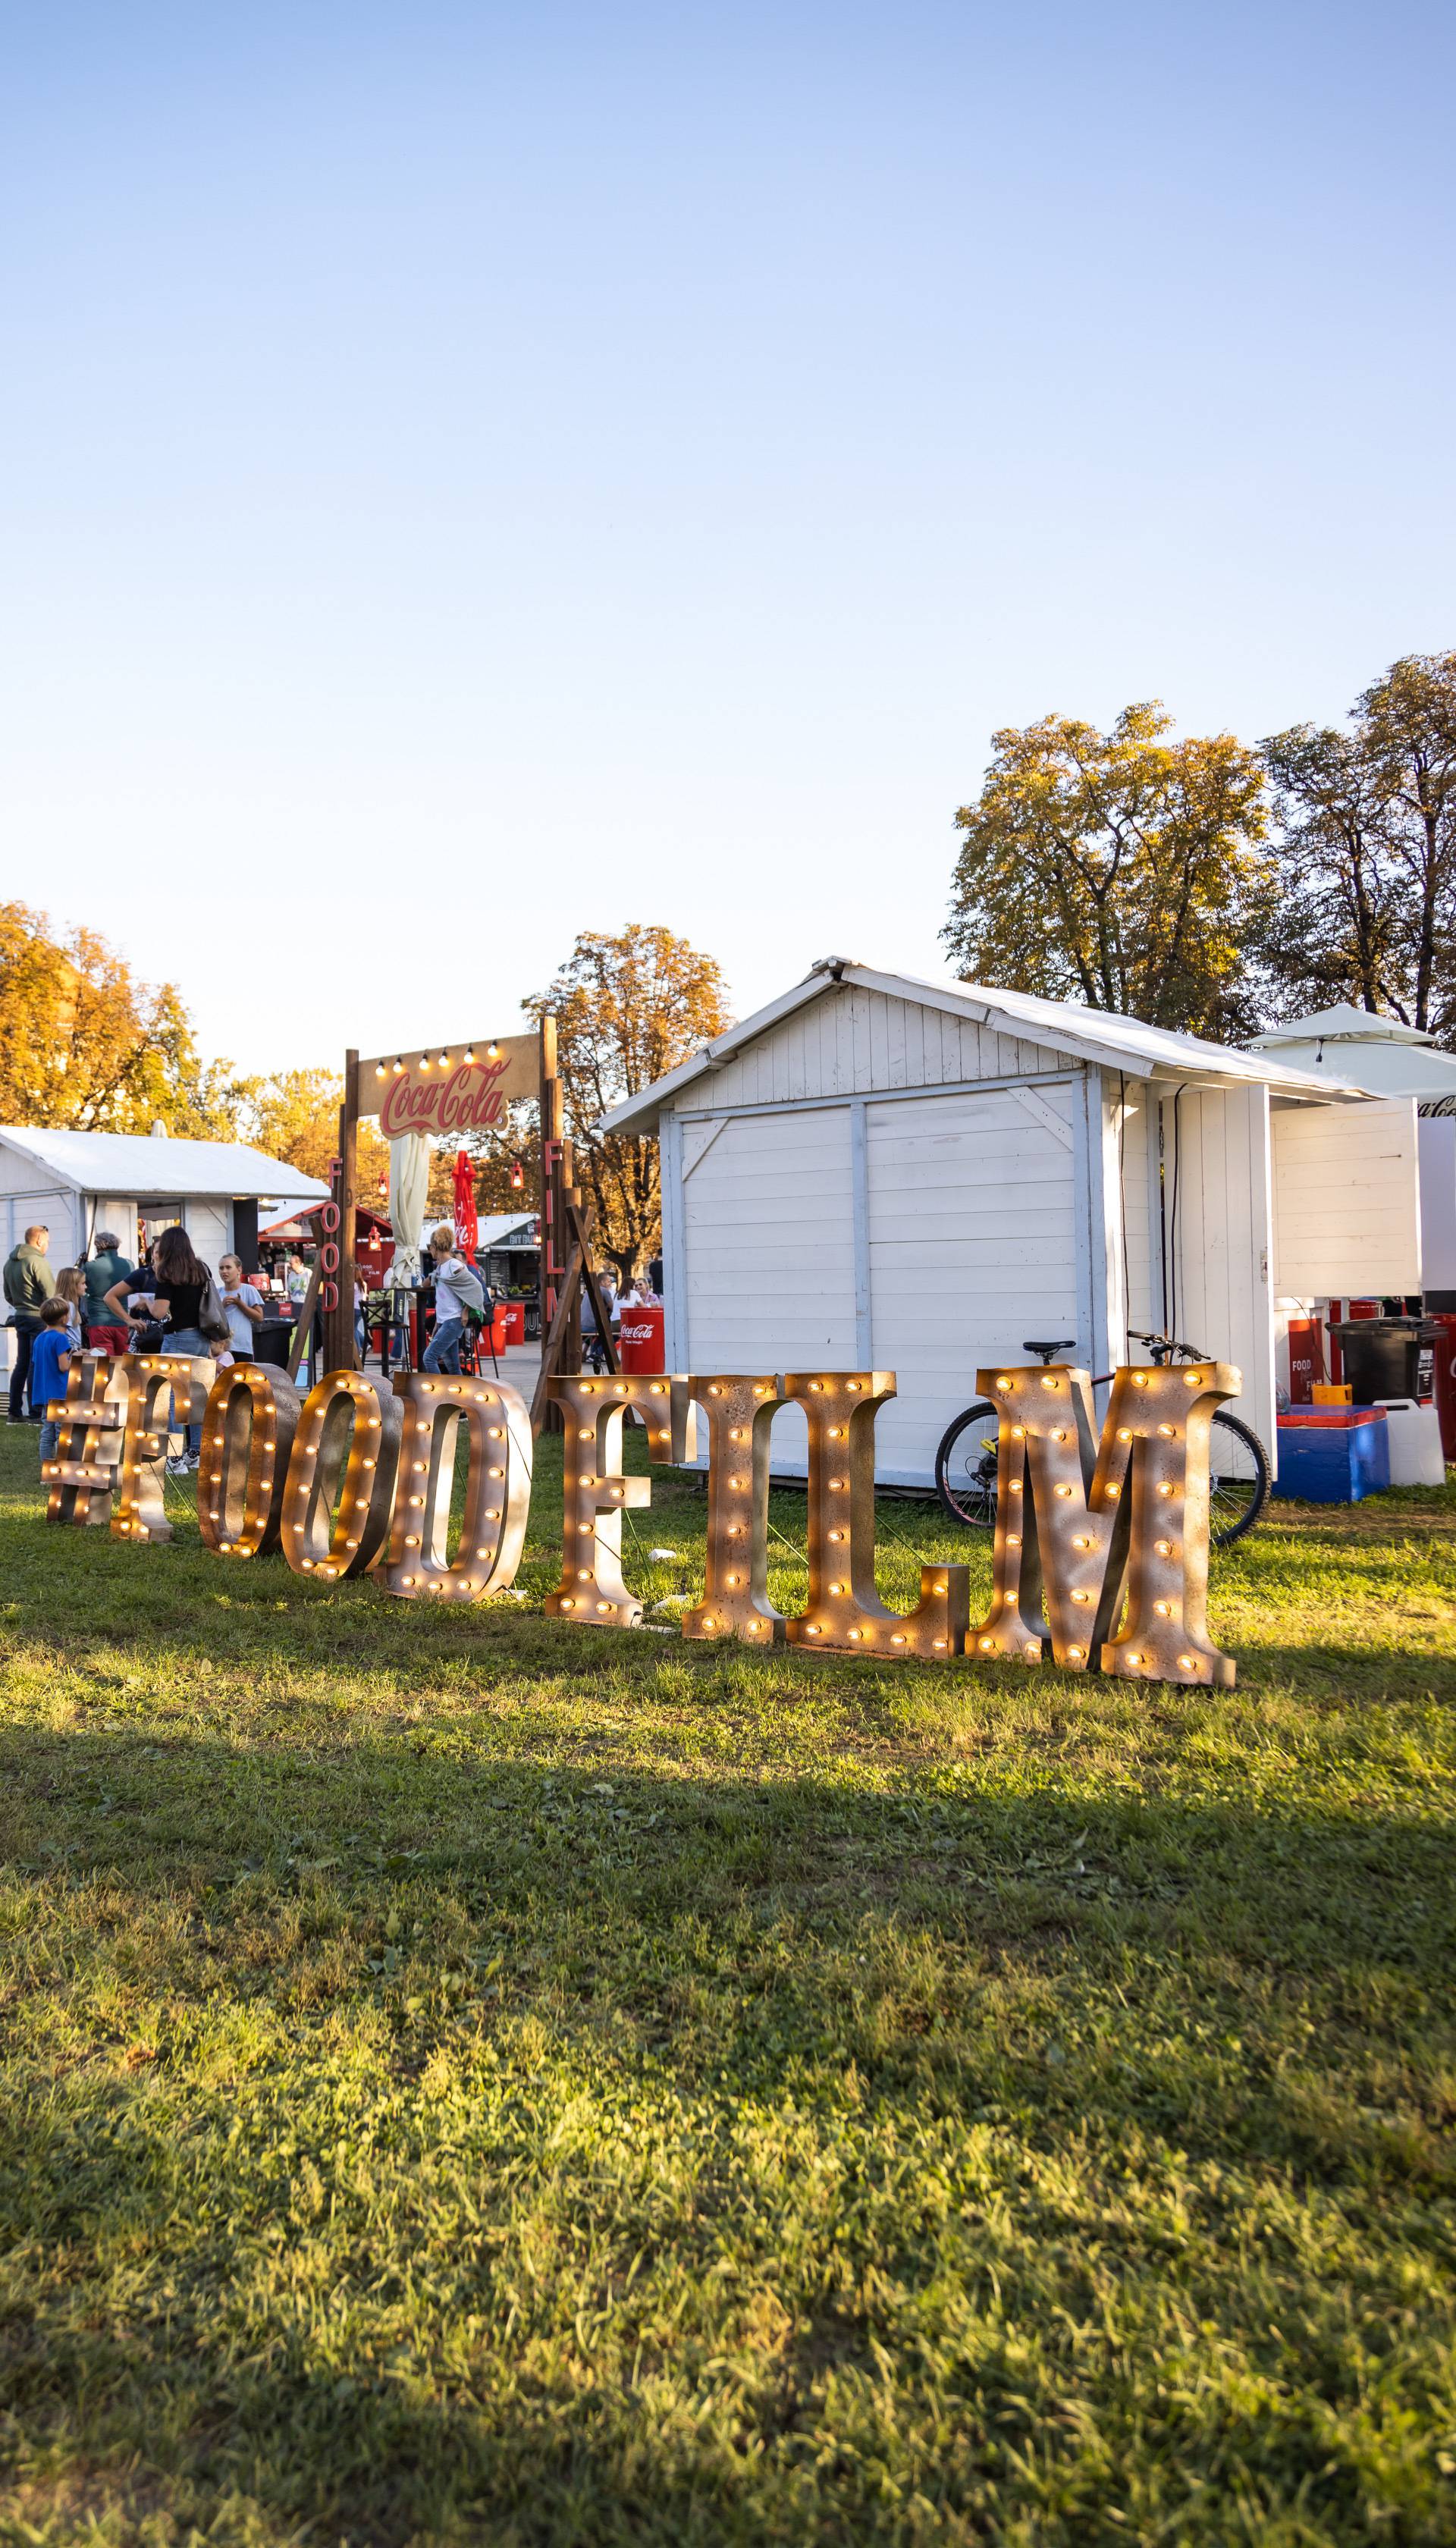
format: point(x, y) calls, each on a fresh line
point(636, 1294)
point(171, 1302)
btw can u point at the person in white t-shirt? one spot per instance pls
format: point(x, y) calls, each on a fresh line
point(243, 1304)
point(457, 1289)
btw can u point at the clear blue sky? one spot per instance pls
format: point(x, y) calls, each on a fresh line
point(472, 472)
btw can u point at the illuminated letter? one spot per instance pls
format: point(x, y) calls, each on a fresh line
point(247, 1434)
point(88, 1441)
point(151, 1378)
point(735, 1601)
point(497, 1487)
point(314, 1542)
point(1128, 1515)
point(595, 1493)
point(844, 1610)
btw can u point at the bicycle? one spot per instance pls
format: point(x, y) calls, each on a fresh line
point(1238, 1464)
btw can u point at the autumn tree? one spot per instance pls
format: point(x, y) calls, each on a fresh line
point(292, 1115)
point(1125, 870)
point(85, 1045)
point(1340, 932)
point(1366, 842)
point(629, 1007)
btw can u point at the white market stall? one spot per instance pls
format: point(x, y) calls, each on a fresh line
point(1397, 1062)
point(877, 1171)
point(80, 1183)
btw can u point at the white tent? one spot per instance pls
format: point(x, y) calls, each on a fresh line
point(1398, 1061)
point(880, 1172)
point(79, 1183)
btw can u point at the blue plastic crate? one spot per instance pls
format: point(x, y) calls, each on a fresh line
point(1337, 1465)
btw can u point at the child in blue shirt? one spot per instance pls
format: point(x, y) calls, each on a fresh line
point(51, 1344)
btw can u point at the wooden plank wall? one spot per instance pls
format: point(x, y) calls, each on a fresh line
point(852, 1043)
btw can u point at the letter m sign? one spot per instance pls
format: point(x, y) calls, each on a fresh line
point(1101, 1545)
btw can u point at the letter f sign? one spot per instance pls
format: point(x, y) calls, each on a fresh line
point(1085, 1527)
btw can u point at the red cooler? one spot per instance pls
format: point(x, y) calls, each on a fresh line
point(640, 1340)
point(1443, 1356)
point(510, 1318)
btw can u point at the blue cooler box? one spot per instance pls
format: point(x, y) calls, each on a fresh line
point(1335, 1457)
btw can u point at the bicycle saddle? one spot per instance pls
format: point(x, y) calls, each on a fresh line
point(1056, 1344)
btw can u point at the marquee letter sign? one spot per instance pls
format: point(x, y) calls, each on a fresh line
point(247, 1438)
point(735, 1595)
point(595, 1494)
point(497, 1487)
point(164, 1391)
point(1082, 1523)
point(89, 1420)
point(844, 1610)
point(343, 1408)
point(1100, 1547)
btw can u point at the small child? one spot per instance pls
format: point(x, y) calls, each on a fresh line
point(48, 1380)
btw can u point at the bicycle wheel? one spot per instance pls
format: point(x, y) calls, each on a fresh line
point(966, 1467)
point(1238, 1479)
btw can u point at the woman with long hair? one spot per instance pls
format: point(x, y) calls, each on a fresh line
point(70, 1287)
point(174, 1295)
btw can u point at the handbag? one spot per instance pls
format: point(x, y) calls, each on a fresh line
point(211, 1317)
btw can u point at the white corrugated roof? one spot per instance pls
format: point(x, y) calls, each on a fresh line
point(1088, 1034)
point(134, 1165)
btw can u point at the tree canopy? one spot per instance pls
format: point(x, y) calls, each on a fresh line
point(85, 1045)
point(629, 1006)
point(1125, 869)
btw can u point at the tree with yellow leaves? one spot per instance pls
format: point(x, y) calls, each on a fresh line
point(1124, 870)
point(84, 1044)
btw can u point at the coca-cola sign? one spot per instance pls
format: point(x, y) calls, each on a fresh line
point(449, 1089)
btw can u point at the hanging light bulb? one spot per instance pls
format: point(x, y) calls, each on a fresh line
point(424, 1061)
point(518, 1176)
point(469, 1056)
point(398, 1065)
point(444, 1061)
point(493, 1053)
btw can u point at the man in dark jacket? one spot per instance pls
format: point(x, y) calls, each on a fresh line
point(29, 1285)
point(106, 1267)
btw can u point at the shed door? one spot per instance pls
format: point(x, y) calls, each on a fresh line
point(1346, 1200)
point(972, 1248)
point(769, 1254)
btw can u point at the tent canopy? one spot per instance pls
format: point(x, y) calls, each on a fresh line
point(149, 1165)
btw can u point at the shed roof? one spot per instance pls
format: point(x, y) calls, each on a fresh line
point(138, 1166)
point(1084, 1035)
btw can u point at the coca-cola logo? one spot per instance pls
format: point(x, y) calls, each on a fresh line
point(464, 1100)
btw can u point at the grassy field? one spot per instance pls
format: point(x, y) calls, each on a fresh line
point(470, 2078)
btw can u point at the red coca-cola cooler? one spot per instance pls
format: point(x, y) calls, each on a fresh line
point(511, 1317)
point(641, 1342)
point(1443, 1358)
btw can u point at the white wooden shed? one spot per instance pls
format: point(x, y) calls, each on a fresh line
point(877, 1171)
point(79, 1183)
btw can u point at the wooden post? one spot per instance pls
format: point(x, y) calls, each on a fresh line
point(553, 1183)
point(305, 1329)
point(340, 1349)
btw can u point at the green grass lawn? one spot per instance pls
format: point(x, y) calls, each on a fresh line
point(468, 2077)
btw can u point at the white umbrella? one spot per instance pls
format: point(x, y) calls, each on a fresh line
point(408, 1186)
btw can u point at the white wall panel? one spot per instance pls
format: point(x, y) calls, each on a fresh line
point(1346, 1200)
point(1218, 1219)
point(970, 1213)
